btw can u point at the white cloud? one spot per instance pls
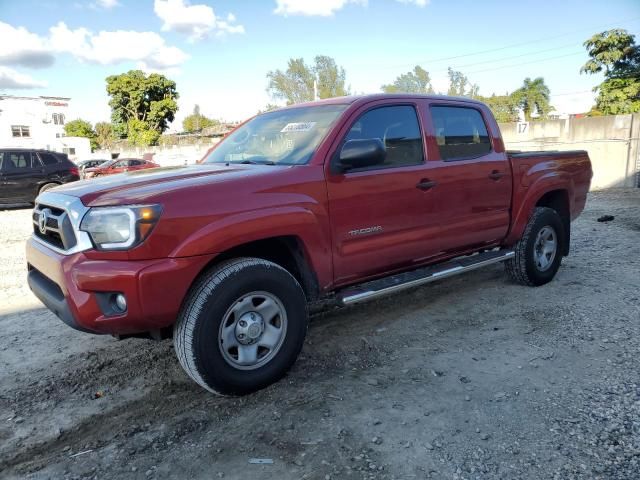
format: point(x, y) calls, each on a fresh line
point(147, 49)
point(195, 21)
point(112, 47)
point(10, 79)
point(106, 3)
point(21, 47)
point(323, 8)
point(418, 3)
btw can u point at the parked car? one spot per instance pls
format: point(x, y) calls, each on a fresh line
point(119, 166)
point(24, 173)
point(84, 164)
point(330, 202)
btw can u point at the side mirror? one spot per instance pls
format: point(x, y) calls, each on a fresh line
point(362, 153)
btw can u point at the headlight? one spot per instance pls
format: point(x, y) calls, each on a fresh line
point(120, 228)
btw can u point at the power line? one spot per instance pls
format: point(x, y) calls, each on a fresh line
point(513, 56)
point(570, 93)
point(528, 54)
point(529, 42)
point(525, 63)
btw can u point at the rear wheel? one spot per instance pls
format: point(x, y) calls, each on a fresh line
point(47, 186)
point(539, 252)
point(242, 326)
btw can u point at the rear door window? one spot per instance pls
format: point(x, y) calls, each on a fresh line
point(19, 161)
point(460, 133)
point(48, 158)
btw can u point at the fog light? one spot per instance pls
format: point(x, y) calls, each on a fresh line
point(120, 302)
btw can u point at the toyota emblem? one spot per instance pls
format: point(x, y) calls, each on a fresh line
point(42, 221)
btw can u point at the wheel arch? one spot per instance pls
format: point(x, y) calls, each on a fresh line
point(558, 200)
point(553, 190)
point(287, 251)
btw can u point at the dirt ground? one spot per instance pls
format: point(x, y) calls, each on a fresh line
point(469, 378)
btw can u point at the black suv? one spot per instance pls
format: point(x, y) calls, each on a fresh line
point(24, 173)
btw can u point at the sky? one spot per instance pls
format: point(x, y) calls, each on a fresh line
point(219, 51)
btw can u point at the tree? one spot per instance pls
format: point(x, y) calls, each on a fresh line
point(504, 107)
point(416, 81)
point(330, 78)
point(616, 53)
point(296, 83)
point(104, 135)
point(81, 128)
point(140, 135)
point(149, 100)
point(533, 96)
point(460, 86)
point(196, 121)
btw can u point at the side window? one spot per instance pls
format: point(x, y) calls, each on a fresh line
point(20, 131)
point(47, 158)
point(120, 164)
point(398, 128)
point(135, 163)
point(460, 132)
point(19, 160)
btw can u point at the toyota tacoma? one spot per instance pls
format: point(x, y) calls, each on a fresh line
point(333, 202)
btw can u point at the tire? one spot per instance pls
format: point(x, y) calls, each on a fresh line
point(534, 263)
point(222, 354)
point(47, 186)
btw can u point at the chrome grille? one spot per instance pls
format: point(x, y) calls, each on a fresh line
point(56, 223)
point(52, 225)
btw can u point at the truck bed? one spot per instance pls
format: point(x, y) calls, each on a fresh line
point(545, 153)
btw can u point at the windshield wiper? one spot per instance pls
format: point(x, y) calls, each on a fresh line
point(253, 162)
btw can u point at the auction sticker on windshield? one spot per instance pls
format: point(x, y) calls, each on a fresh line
point(298, 127)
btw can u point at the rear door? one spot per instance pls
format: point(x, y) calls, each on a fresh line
point(53, 167)
point(474, 176)
point(381, 218)
point(22, 174)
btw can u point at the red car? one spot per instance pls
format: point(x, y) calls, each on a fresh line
point(326, 203)
point(119, 165)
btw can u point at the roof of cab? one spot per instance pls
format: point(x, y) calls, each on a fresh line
point(348, 100)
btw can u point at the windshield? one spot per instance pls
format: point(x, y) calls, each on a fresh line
point(283, 137)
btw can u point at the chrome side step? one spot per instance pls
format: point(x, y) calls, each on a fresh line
point(421, 276)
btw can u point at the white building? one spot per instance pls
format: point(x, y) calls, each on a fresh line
point(38, 122)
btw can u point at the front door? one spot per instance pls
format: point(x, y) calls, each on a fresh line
point(381, 216)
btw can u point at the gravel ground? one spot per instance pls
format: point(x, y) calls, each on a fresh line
point(468, 378)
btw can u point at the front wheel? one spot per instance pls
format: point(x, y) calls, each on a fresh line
point(242, 326)
point(539, 252)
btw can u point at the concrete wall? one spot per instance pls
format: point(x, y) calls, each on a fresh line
point(164, 155)
point(612, 143)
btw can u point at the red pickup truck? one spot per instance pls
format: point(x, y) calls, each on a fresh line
point(330, 202)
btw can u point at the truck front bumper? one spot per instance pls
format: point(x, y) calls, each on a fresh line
point(76, 288)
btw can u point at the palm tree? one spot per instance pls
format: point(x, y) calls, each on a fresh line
point(533, 96)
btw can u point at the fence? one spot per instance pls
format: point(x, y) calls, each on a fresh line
point(612, 143)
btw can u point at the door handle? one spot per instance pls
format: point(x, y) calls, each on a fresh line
point(426, 184)
point(496, 175)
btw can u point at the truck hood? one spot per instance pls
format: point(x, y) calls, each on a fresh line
point(141, 185)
